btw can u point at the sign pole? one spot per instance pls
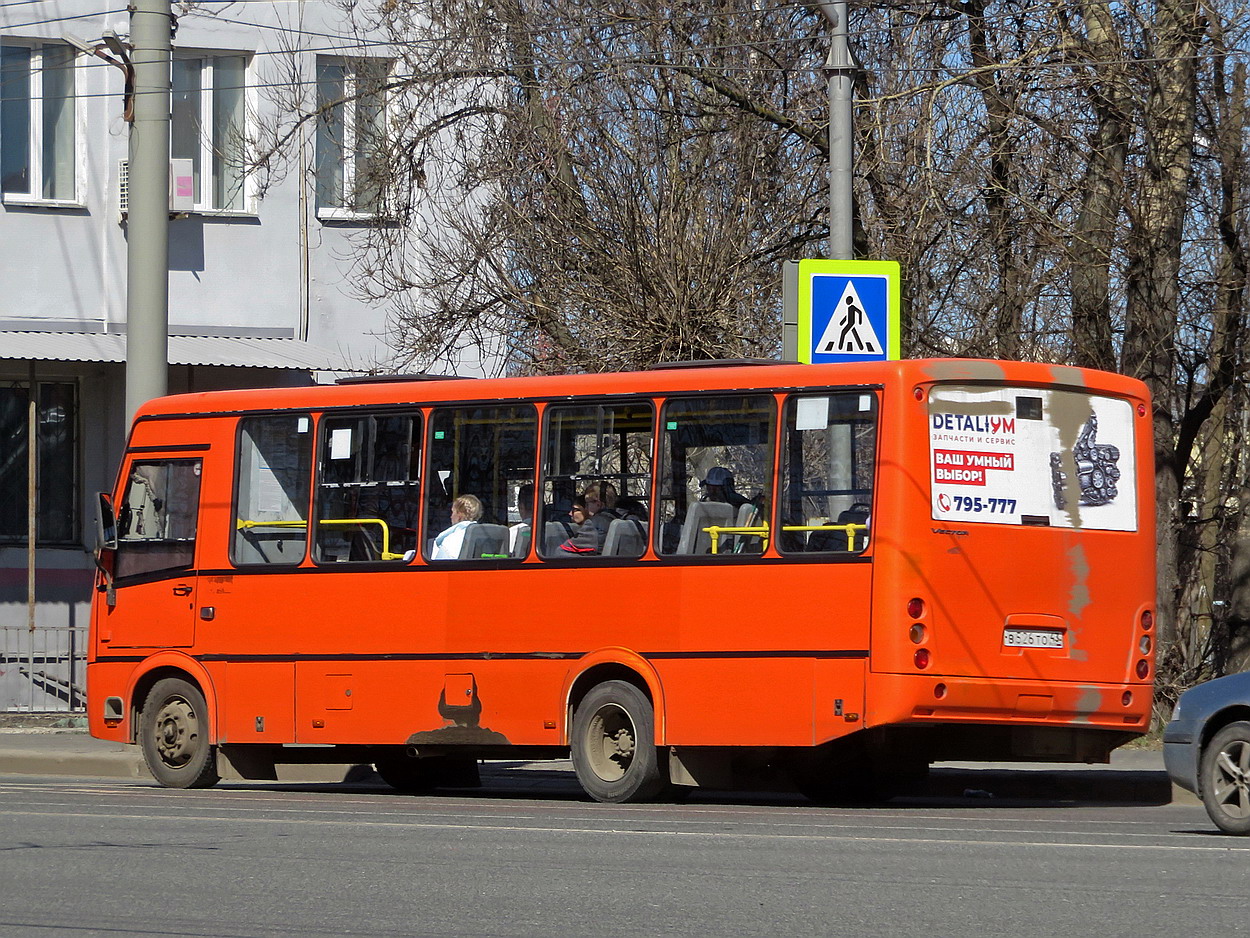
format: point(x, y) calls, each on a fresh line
point(840, 67)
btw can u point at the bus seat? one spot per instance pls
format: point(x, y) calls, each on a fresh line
point(748, 517)
point(837, 540)
point(555, 533)
point(362, 546)
point(522, 545)
point(857, 514)
point(484, 540)
point(626, 537)
point(700, 515)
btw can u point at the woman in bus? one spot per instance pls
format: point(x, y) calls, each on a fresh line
point(599, 511)
point(465, 510)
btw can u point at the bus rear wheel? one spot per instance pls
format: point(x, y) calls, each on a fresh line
point(613, 744)
point(173, 733)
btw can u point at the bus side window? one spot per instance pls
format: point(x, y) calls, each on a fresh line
point(487, 453)
point(716, 477)
point(272, 481)
point(599, 456)
point(368, 487)
point(828, 462)
point(157, 517)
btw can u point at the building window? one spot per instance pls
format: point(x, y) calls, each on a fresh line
point(351, 130)
point(38, 135)
point(209, 127)
point(56, 462)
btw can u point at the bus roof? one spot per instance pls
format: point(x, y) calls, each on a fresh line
point(426, 389)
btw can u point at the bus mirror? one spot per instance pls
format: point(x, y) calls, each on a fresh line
point(105, 524)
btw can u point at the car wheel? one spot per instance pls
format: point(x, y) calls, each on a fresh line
point(1225, 778)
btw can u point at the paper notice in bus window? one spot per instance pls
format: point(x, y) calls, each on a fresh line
point(341, 443)
point(812, 413)
point(994, 458)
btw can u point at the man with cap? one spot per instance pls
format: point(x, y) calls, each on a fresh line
point(719, 487)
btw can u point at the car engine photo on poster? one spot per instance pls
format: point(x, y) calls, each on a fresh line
point(1034, 457)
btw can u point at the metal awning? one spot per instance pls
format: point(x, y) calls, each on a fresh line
point(228, 351)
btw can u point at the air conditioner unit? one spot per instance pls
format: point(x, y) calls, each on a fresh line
point(181, 186)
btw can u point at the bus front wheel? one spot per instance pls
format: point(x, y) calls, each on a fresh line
point(173, 733)
point(613, 744)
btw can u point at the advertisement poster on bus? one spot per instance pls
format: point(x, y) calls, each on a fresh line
point(1024, 456)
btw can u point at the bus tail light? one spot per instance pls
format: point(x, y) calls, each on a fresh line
point(1144, 644)
point(1127, 698)
point(922, 658)
point(1147, 620)
point(939, 691)
point(1143, 668)
point(917, 633)
point(915, 607)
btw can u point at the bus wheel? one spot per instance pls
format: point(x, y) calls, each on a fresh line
point(1225, 778)
point(173, 733)
point(613, 744)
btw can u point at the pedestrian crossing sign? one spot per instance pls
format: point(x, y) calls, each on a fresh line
point(848, 311)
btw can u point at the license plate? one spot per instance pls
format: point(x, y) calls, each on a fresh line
point(1032, 638)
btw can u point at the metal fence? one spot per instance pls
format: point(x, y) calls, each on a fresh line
point(43, 670)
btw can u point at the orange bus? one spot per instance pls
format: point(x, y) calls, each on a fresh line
point(735, 575)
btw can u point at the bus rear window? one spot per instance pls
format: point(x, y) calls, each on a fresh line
point(1032, 456)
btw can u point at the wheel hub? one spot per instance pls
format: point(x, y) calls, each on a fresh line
point(610, 735)
point(177, 732)
point(1232, 787)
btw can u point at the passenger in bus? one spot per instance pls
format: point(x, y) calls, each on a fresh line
point(719, 487)
point(465, 510)
point(579, 517)
point(601, 509)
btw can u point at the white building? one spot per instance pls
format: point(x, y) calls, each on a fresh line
point(259, 268)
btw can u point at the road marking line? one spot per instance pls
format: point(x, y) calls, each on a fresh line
point(502, 828)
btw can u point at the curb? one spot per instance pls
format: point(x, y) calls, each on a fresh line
point(83, 764)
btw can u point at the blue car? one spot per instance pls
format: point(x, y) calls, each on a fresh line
point(1206, 748)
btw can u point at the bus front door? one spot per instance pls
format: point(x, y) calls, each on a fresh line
point(153, 570)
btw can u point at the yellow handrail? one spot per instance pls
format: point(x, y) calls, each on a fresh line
point(386, 530)
point(717, 530)
point(762, 531)
point(850, 530)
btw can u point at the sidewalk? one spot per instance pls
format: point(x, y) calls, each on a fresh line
point(1134, 776)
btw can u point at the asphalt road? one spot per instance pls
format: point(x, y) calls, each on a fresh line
point(122, 857)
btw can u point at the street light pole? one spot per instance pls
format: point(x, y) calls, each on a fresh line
point(841, 68)
point(147, 216)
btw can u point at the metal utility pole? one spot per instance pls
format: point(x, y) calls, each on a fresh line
point(841, 69)
point(147, 223)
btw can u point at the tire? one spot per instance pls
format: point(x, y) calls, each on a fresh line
point(1224, 776)
point(613, 745)
point(174, 736)
point(417, 776)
